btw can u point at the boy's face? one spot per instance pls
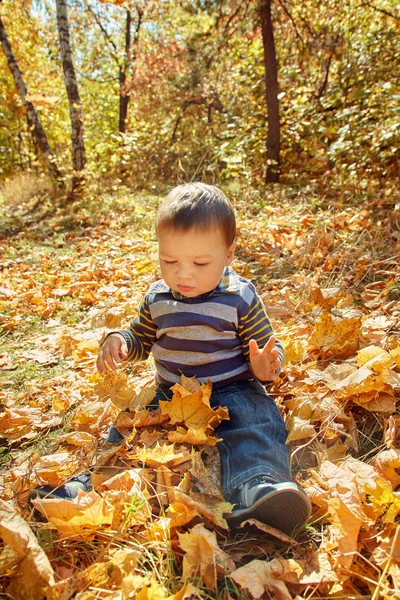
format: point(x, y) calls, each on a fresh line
point(192, 262)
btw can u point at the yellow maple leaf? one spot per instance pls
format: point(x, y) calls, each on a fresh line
point(191, 436)
point(163, 455)
point(115, 385)
point(386, 463)
point(193, 410)
point(203, 558)
point(180, 514)
point(294, 351)
point(374, 358)
point(335, 340)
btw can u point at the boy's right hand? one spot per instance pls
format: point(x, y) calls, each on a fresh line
point(113, 350)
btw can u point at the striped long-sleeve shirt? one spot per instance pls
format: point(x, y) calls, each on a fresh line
point(206, 336)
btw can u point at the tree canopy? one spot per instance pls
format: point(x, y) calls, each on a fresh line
point(189, 78)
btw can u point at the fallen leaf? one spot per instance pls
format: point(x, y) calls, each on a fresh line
point(203, 558)
point(386, 463)
point(335, 340)
point(41, 356)
point(54, 469)
point(299, 429)
point(374, 358)
point(33, 571)
point(210, 507)
point(84, 514)
point(267, 577)
point(165, 454)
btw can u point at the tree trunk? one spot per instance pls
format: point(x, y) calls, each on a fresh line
point(34, 122)
point(75, 107)
point(271, 81)
point(124, 94)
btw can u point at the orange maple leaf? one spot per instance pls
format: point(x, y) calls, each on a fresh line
point(338, 340)
point(193, 410)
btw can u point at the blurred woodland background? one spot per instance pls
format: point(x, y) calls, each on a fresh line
point(144, 91)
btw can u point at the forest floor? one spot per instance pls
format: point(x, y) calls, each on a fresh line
point(328, 270)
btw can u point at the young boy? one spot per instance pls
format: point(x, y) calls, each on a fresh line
point(202, 319)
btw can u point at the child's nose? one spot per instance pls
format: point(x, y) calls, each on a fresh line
point(184, 272)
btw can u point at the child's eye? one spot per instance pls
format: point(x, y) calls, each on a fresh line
point(201, 264)
point(169, 262)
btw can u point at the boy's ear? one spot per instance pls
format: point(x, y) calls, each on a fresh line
point(230, 253)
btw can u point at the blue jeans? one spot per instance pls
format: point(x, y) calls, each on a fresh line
point(253, 440)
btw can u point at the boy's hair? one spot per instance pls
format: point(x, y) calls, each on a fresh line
point(199, 206)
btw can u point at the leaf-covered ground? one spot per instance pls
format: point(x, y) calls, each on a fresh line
point(153, 526)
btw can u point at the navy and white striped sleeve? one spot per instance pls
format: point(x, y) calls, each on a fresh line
point(141, 334)
point(254, 324)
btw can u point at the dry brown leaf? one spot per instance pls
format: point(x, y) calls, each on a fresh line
point(392, 431)
point(149, 418)
point(210, 507)
point(362, 387)
point(260, 577)
point(203, 558)
point(299, 429)
point(94, 417)
point(276, 533)
point(96, 574)
point(42, 357)
point(33, 572)
point(79, 438)
point(207, 476)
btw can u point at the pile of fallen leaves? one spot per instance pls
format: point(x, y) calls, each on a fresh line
point(153, 525)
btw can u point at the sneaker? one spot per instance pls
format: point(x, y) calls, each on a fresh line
point(114, 437)
point(284, 506)
point(68, 490)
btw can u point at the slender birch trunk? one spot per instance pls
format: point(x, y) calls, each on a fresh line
point(124, 94)
point(75, 106)
point(34, 122)
point(271, 92)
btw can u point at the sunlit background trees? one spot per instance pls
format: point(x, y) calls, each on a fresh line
point(186, 89)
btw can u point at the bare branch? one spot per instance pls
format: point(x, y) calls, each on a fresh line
point(289, 14)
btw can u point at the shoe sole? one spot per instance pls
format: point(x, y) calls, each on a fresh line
point(285, 508)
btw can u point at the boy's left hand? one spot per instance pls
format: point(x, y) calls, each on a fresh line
point(265, 363)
